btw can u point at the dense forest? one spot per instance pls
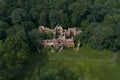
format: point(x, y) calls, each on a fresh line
point(99, 21)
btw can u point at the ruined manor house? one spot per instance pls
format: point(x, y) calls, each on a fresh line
point(61, 37)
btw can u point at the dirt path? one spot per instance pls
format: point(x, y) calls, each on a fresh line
point(81, 59)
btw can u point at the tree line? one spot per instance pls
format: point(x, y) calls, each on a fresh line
point(99, 21)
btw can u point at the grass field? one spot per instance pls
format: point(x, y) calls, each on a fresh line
point(84, 53)
point(86, 64)
point(85, 70)
point(90, 63)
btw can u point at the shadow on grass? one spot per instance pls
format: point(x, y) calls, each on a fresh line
point(60, 74)
point(35, 60)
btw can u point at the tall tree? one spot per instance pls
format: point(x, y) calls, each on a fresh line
point(14, 52)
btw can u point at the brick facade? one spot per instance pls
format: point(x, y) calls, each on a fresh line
point(64, 37)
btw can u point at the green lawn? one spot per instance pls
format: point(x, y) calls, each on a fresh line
point(86, 70)
point(86, 64)
point(84, 53)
